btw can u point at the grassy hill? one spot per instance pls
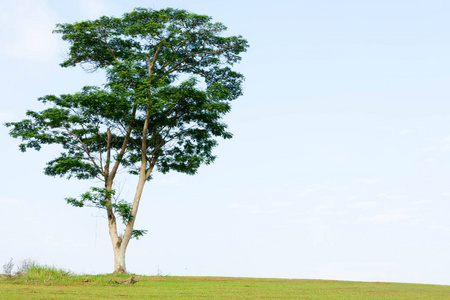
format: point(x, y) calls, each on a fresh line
point(51, 283)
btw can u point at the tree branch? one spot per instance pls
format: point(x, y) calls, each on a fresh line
point(86, 150)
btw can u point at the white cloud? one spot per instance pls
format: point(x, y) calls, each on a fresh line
point(252, 209)
point(394, 195)
point(236, 205)
point(421, 202)
point(405, 131)
point(326, 209)
point(26, 30)
point(255, 209)
point(368, 180)
point(281, 203)
point(387, 128)
point(443, 145)
point(401, 131)
point(389, 217)
point(429, 160)
point(365, 204)
point(429, 149)
point(440, 228)
point(6, 202)
point(94, 8)
point(330, 187)
point(305, 192)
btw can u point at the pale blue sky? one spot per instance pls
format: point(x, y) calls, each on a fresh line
point(339, 167)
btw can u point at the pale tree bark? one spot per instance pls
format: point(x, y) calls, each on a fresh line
point(134, 209)
point(119, 260)
point(116, 240)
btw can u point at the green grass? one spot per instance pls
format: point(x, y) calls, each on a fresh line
point(43, 282)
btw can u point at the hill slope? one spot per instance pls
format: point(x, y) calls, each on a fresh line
point(168, 287)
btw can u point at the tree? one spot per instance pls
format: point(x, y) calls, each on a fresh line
point(168, 84)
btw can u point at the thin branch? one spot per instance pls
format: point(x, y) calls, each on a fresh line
point(151, 63)
point(108, 152)
point(86, 150)
point(99, 148)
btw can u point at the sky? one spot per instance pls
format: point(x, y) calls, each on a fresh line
point(339, 167)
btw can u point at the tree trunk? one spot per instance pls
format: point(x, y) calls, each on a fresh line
point(119, 260)
point(118, 246)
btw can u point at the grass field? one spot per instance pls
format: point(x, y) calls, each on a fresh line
point(50, 283)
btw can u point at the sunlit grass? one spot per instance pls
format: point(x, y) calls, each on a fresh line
point(44, 282)
point(38, 273)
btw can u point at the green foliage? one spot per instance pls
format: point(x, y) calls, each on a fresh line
point(137, 233)
point(96, 197)
point(123, 209)
point(143, 54)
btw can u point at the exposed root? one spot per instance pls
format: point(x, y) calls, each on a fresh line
point(128, 281)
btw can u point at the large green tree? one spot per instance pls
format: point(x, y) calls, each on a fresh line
point(168, 84)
